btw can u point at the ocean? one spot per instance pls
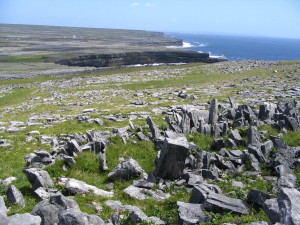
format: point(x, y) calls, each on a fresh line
point(236, 48)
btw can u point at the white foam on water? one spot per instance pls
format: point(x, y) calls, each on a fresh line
point(217, 56)
point(187, 45)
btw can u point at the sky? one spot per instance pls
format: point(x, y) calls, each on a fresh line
point(273, 18)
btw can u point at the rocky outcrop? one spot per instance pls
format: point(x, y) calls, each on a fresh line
point(131, 58)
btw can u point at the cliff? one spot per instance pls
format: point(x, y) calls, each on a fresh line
point(131, 58)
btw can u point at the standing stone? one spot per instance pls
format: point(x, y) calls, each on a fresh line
point(253, 136)
point(289, 207)
point(271, 209)
point(235, 135)
point(153, 128)
point(38, 178)
point(171, 162)
point(14, 196)
point(213, 112)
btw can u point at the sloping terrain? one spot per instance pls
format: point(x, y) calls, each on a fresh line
point(98, 134)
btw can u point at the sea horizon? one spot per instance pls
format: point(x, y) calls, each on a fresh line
point(240, 47)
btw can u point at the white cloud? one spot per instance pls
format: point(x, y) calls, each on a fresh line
point(149, 5)
point(134, 4)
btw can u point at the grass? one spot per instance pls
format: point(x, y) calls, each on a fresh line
point(195, 81)
point(25, 59)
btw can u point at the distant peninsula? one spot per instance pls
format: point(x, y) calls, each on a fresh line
point(95, 47)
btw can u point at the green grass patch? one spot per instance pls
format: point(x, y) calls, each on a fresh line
point(201, 140)
point(25, 59)
point(292, 138)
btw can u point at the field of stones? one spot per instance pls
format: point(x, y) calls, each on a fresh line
point(172, 144)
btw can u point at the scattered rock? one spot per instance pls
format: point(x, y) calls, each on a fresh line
point(190, 213)
point(127, 169)
point(14, 196)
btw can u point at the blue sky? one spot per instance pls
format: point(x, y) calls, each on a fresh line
point(275, 18)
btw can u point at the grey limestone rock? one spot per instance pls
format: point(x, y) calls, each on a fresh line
point(259, 223)
point(171, 162)
point(213, 112)
point(23, 219)
point(142, 136)
point(257, 197)
point(14, 196)
point(38, 178)
point(284, 157)
point(143, 193)
point(190, 213)
point(49, 209)
point(271, 209)
point(74, 216)
point(136, 214)
point(79, 187)
point(289, 207)
point(217, 202)
point(253, 136)
point(3, 208)
point(127, 169)
point(154, 129)
point(267, 111)
point(235, 135)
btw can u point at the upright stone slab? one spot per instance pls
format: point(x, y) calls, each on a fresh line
point(253, 136)
point(213, 112)
point(14, 196)
point(171, 162)
point(289, 207)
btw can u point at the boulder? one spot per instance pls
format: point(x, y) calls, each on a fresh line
point(24, 219)
point(38, 178)
point(137, 217)
point(171, 162)
point(136, 214)
point(217, 144)
point(73, 148)
point(79, 187)
point(284, 157)
point(289, 207)
point(253, 136)
point(267, 111)
point(257, 153)
point(14, 196)
point(3, 208)
point(74, 216)
point(217, 202)
point(257, 197)
point(49, 209)
point(190, 213)
point(235, 135)
point(271, 209)
point(127, 169)
point(39, 159)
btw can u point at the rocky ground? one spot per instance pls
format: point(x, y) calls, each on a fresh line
point(186, 144)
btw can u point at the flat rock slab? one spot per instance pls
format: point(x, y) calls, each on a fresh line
point(80, 187)
point(142, 193)
point(24, 219)
point(190, 213)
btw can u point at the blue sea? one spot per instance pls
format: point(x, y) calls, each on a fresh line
point(236, 48)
